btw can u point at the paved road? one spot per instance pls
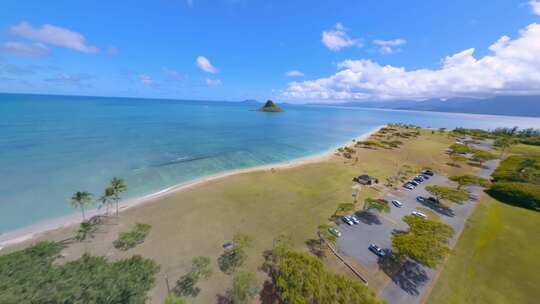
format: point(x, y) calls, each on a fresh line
point(412, 281)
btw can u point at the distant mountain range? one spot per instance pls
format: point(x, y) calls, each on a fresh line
point(501, 105)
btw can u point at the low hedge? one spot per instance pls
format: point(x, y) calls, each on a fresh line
point(519, 194)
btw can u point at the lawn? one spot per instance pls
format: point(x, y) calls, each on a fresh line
point(524, 149)
point(264, 204)
point(496, 259)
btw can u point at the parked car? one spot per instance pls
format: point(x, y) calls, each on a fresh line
point(420, 199)
point(334, 232)
point(418, 179)
point(377, 250)
point(425, 176)
point(428, 172)
point(397, 203)
point(355, 219)
point(419, 214)
point(347, 220)
point(414, 183)
point(408, 186)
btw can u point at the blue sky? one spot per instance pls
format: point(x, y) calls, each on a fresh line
point(298, 51)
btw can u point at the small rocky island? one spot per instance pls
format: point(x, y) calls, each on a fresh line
point(270, 106)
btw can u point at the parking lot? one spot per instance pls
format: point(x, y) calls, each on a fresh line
point(411, 282)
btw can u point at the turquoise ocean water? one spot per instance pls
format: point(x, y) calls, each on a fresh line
point(51, 146)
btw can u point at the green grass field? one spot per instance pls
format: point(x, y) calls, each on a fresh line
point(497, 258)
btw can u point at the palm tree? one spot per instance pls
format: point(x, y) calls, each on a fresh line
point(118, 185)
point(81, 199)
point(106, 198)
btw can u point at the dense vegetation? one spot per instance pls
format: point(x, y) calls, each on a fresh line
point(426, 241)
point(447, 193)
point(32, 276)
point(300, 278)
point(526, 136)
point(517, 181)
point(469, 180)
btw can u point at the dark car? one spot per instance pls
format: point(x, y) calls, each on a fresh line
point(418, 179)
point(414, 183)
point(432, 200)
point(428, 172)
point(377, 250)
point(420, 199)
point(425, 176)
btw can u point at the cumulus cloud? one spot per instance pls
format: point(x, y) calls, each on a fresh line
point(389, 46)
point(204, 64)
point(53, 35)
point(337, 38)
point(294, 73)
point(535, 6)
point(512, 68)
point(145, 79)
point(212, 82)
point(25, 49)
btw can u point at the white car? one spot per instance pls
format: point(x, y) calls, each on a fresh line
point(355, 219)
point(397, 203)
point(419, 214)
point(347, 219)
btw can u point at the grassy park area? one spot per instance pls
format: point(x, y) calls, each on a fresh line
point(265, 205)
point(495, 260)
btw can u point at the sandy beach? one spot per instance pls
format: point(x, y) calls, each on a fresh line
point(27, 233)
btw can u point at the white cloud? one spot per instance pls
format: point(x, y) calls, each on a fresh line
point(389, 46)
point(212, 82)
point(337, 38)
point(145, 79)
point(53, 35)
point(25, 49)
point(294, 73)
point(535, 6)
point(204, 64)
point(512, 68)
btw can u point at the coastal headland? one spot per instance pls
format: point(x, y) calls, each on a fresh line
point(289, 199)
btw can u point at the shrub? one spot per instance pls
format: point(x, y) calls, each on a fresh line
point(301, 278)
point(519, 194)
point(32, 276)
point(232, 259)
point(519, 168)
point(130, 239)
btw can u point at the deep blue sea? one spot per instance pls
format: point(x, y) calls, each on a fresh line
point(52, 146)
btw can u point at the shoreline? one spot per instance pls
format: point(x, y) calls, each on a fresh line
point(23, 234)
